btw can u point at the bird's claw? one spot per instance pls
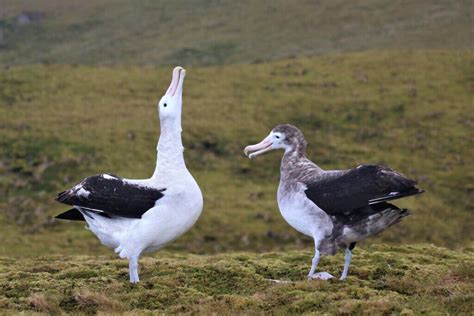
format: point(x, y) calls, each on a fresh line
point(320, 276)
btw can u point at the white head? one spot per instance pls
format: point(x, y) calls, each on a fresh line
point(169, 107)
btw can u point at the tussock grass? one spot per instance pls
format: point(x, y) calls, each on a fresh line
point(384, 279)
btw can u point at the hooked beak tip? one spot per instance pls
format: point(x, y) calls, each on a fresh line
point(176, 81)
point(252, 151)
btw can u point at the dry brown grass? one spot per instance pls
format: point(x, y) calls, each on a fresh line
point(41, 303)
point(90, 300)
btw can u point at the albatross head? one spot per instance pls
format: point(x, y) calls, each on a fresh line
point(170, 104)
point(286, 137)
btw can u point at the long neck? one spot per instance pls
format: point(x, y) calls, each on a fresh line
point(294, 159)
point(169, 151)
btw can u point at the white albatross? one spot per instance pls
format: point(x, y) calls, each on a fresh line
point(337, 208)
point(137, 216)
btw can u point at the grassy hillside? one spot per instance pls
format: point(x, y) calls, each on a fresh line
point(408, 110)
point(410, 280)
point(206, 32)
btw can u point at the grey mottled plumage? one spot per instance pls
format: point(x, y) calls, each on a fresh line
point(336, 207)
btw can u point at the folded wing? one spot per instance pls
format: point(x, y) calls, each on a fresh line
point(109, 195)
point(345, 192)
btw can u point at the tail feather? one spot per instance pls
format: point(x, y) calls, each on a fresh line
point(388, 215)
point(384, 215)
point(107, 228)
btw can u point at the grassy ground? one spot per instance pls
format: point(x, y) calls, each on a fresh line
point(408, 110)
point(208, 32)
point(408, 280)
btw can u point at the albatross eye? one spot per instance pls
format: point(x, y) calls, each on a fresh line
point(165, 105)
point(278, 137)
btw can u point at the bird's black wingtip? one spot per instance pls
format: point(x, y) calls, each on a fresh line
point(414, 191)
point(410, 192)
point(71, 215)
point(62, 196)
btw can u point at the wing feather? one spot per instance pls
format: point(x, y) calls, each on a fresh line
point(112, 195)
point(359, 187)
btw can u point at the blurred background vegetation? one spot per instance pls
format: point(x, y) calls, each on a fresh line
point(381, 82)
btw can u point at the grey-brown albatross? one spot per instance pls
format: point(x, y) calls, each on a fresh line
point(337, 208)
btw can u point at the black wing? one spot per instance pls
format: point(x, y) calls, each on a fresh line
point(359, 187)
point(75, 215)
point(112, 195)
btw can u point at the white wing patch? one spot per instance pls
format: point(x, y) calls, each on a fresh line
point(83, 192)
point(108, 176)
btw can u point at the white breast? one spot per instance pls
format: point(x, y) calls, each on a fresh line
point(302, 214)
point(173, 214)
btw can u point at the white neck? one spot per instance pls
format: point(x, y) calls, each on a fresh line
point(170, 149)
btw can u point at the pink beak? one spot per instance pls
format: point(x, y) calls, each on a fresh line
point(177, 81)
point(260, 148)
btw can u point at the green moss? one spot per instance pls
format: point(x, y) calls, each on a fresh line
point(233, 283)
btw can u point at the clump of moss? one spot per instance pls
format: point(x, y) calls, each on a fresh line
point(383, 279)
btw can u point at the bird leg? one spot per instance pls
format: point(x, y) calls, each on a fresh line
point(314, 264)
point(347, 261)
point(133, 269)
